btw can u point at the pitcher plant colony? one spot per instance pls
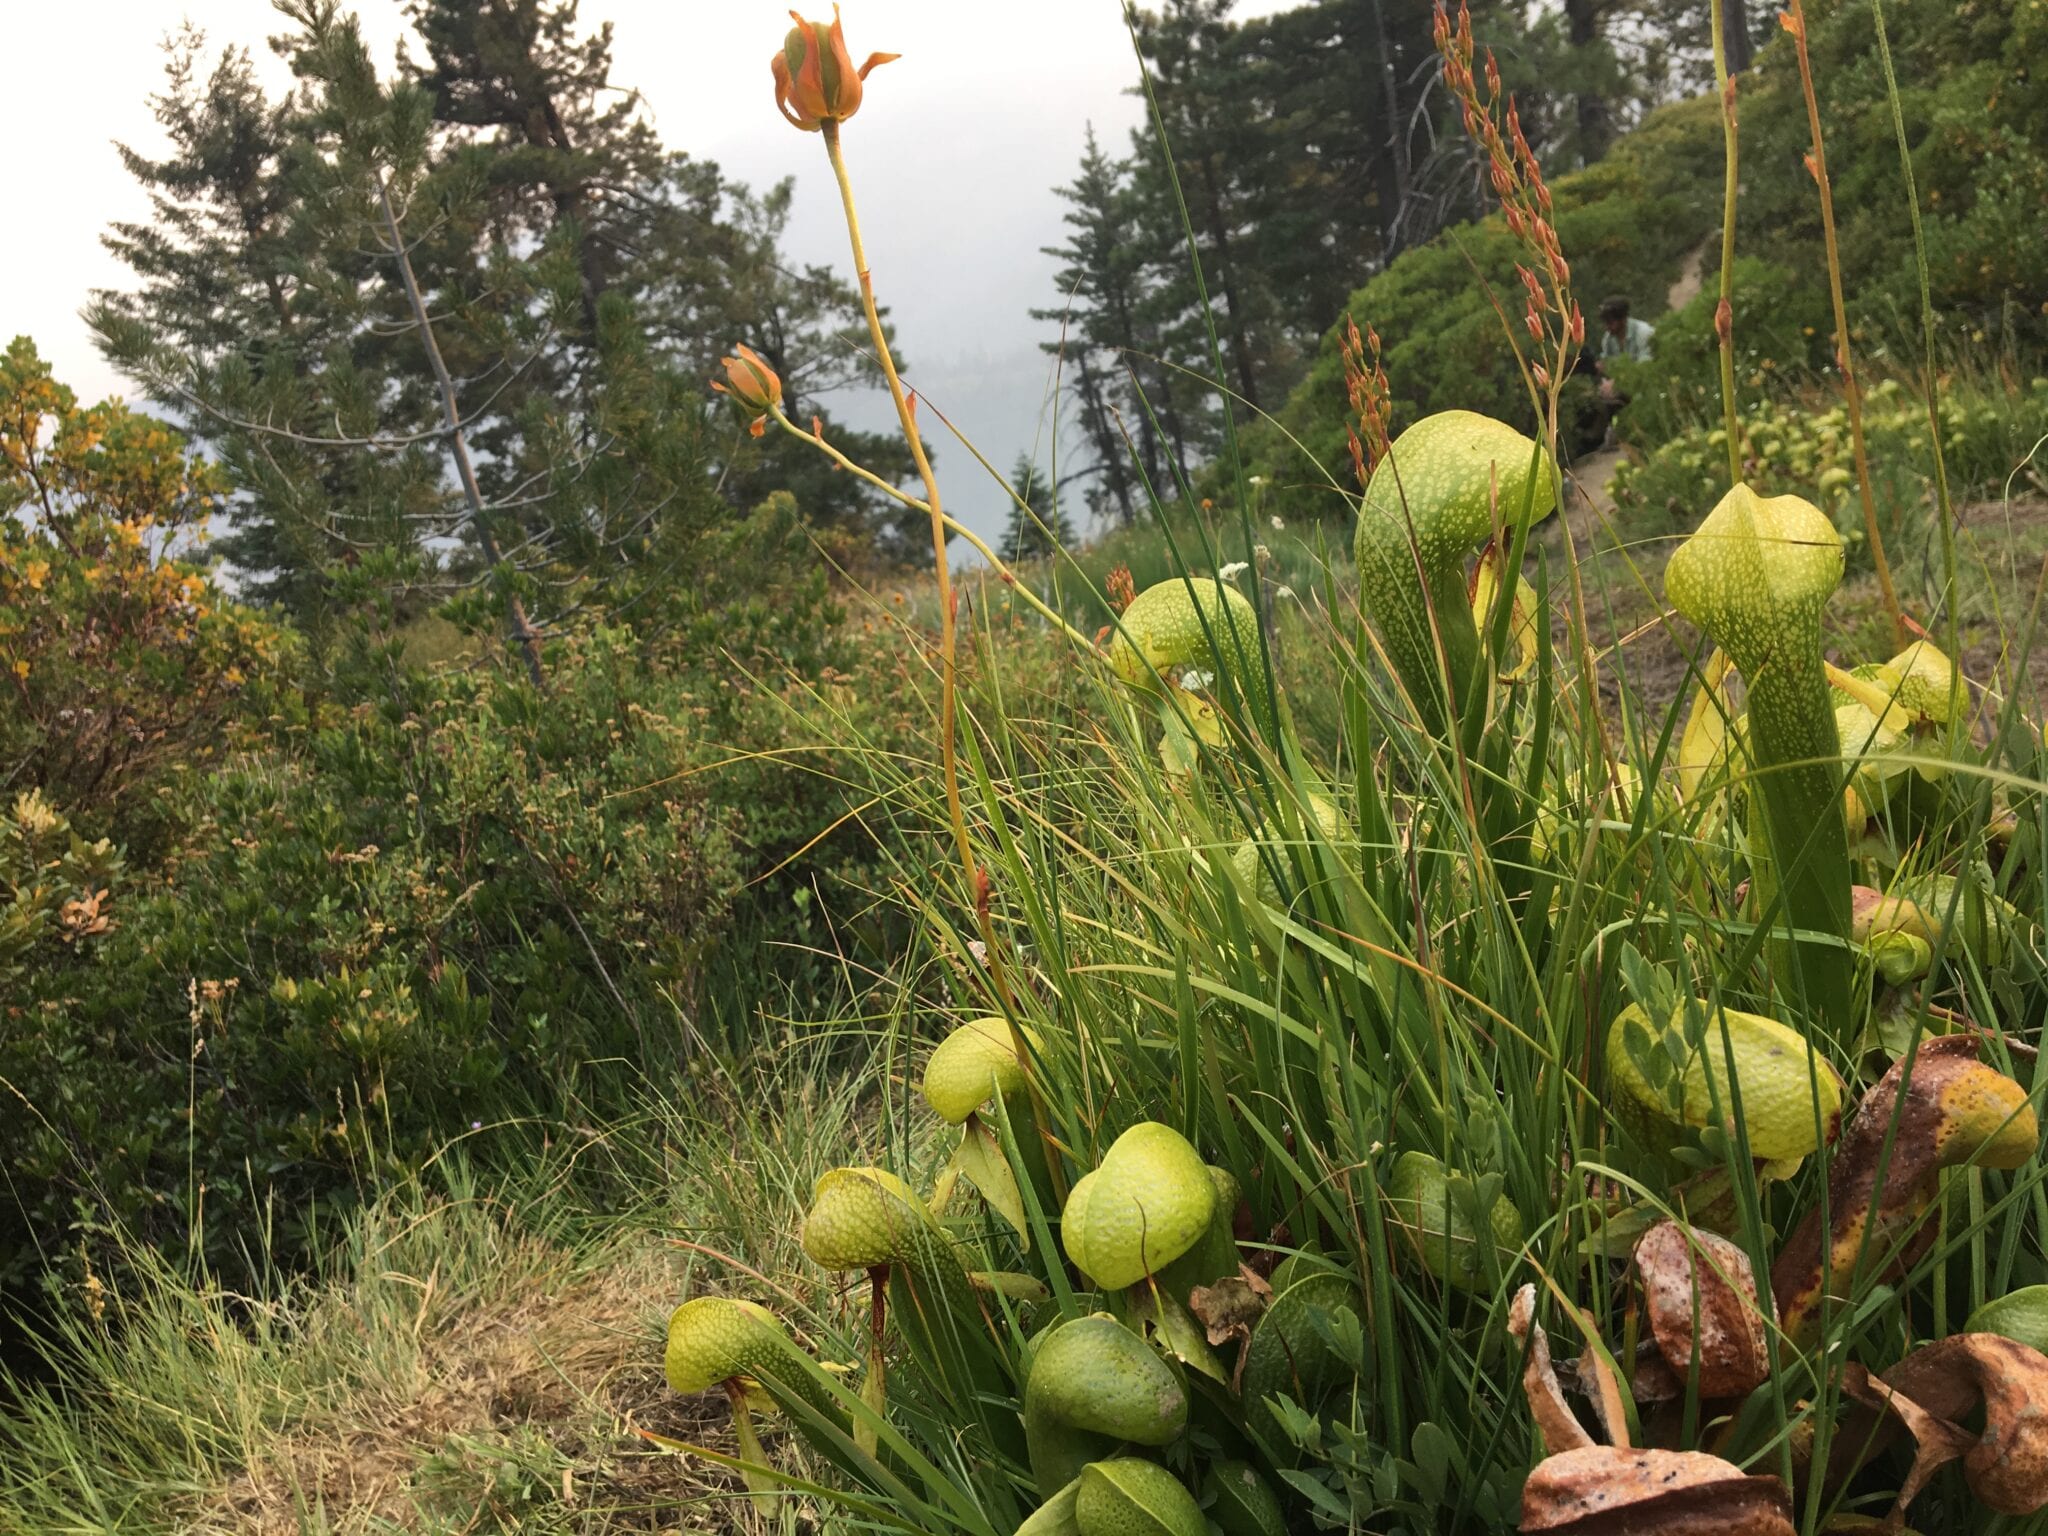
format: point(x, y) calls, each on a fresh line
point(1295, 1113)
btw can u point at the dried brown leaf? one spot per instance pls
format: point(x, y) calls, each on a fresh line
point(1611, 1491)
point(1597, 1377)
point(1555, 1421)
point(1954, 1109)
point(1701, 1296)
point(1940, 1384)
point(1228, 1308)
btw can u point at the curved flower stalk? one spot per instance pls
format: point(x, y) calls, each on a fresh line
point(717, 1341)
point(1755, 575)
point(1095, 1385)
point(1791, 1097)
point(1436, 1208)
point(970, 1069)
point(1447, 486)
point(1952, 1110)
point(868, 1219)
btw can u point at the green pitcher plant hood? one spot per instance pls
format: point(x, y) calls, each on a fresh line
point(1189, 633)
point(1433, 1205)
point(1130, 1497)
point(2020, 1314)
point(1446, 486)
point(1148, 1203)
point(712, 1339)
point(862, 1218)
point(1242, 1503)
point(1093, 1385)
point(1791, 1097)
point(975, 1063)
point(971, 1068)
point(1756, 575)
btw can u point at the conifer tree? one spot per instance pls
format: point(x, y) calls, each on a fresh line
point(1036, 527)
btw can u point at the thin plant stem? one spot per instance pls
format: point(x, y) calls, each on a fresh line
point(1943, 501)
point(1724, 313)
point(949, 665)
point(1852, 391)
point(906, 416)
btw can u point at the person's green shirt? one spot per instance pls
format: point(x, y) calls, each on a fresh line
point(1633, 343)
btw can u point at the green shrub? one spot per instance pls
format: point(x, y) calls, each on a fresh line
point(1804, 449)
point(1976, 121)
point(422, 898)
point(1628, 223)
point(446, 905)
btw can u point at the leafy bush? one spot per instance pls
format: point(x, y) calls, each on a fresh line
point(417, 898)
point(441, 906)
point(1628, 222)
point(1974, 113)
point(118, 660)
point(1804, 449)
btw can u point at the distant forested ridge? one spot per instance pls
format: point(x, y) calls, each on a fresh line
point(1318, 168)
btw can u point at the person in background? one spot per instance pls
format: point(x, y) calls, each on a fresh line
point(1624, 337)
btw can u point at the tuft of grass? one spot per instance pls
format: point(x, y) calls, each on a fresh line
point(474, 1352)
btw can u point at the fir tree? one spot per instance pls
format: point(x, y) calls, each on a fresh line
point(1036, 528)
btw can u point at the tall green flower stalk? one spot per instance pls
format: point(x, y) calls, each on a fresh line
point(1724, 312)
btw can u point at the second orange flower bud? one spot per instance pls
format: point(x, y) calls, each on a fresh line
point(752, 385)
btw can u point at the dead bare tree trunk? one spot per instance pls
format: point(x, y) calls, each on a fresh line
point(479, 520)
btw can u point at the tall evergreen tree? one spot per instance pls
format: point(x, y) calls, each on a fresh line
point(576, 281)
point(406, 386)
point(1036, 527)
point(1293, 155)
point(1107, 357)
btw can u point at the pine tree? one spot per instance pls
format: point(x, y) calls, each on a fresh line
point(408, 390)
point(1196, 69)
point(578, 282)
point(1105, 358)
point(1036, 526)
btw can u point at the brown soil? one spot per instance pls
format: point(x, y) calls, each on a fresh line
point(546, 1388)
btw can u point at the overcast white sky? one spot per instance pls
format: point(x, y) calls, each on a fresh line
point(954, 154)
